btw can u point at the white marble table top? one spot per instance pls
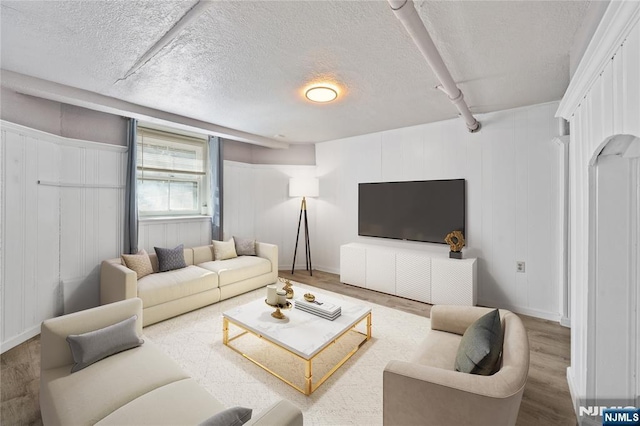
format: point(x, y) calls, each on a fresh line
point(300, 332)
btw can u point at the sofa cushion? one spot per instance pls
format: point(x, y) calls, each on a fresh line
point(245, 247)
point(91, 394)
point(438, 350)
point(240, 268)
point(234, 416)
point(95, 345)
point(480, 346)
point(202, 254)
point(139, 263)
point(183, 402)
point(223, 250)
point(165, 286)
point(170, 259)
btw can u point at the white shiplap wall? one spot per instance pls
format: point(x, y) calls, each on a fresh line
point(30, 286)
point(54, 234)
point(513, 209)
point(257, 205)
point(168, 233)
point(91, 217)
point(603, 100)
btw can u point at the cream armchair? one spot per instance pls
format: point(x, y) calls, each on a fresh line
point(428, 391)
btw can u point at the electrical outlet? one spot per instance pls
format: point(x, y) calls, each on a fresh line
point(520, 266)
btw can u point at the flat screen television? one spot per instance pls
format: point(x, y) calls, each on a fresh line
point(415, 211)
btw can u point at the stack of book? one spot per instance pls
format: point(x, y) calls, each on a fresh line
point(322, 309)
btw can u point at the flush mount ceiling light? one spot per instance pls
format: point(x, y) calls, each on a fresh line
point(321, 94)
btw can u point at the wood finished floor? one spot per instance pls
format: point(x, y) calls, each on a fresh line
point(546, 399)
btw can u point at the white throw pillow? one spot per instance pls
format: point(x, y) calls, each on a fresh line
point(223, 250)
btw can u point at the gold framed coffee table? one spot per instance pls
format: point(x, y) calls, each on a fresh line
point(301, 334)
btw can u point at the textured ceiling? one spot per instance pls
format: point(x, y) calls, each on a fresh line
point(243, 64)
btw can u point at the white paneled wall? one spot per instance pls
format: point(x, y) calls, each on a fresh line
point(30, 239)
point(603, 100)
point(168, 233)
point(512, 173)
point(60, 204)
point(91, 217)
point(257, 205)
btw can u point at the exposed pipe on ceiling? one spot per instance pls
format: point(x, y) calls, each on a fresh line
point(407, 14)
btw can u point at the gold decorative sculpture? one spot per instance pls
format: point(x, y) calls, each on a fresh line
point(287, 287)
point(456, 241)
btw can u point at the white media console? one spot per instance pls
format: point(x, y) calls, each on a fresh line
point(419, 275)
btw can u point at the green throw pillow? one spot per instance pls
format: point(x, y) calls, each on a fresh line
point(480, 346)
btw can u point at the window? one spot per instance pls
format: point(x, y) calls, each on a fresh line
point(171, 174)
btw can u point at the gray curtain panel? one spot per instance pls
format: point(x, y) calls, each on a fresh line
point(131, 201)
point(215, 162)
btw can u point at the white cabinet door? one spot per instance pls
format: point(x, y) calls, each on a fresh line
point(381, 270)
point(453, 281)
point(352, 265)
point(413, 276)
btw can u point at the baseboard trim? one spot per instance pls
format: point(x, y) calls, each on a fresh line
point(315, 268)
point(576, 401)
point(328, 269)
point(551, 316)
point(575, 398)
point(565, 322)
point(20, 338)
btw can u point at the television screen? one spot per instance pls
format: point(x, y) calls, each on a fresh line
point(416, 211)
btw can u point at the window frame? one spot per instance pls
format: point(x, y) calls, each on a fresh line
point(201, 179)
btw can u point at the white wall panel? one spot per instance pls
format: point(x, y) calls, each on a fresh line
point(61, 215)
point(630, 57)
point(522, 141)
point(603, 100)
point(29, 282)
point(329, 172)
point(511, 170)
point(257, 205)
point(169, 233)
point(503, 204)
point(91, 218)
point(391, 150)
point(541, 196)
point(412, 153)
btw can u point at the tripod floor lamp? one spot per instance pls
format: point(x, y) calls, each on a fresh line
point(303, 187)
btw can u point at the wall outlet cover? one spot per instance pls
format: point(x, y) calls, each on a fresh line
point(519, 266)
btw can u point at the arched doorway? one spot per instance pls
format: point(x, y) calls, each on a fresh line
point(614, 278)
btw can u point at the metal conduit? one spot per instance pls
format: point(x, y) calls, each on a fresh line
point(407, 14)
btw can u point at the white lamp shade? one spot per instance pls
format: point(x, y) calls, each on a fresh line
point(304, 187)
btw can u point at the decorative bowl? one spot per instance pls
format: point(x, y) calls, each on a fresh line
point(309, 297)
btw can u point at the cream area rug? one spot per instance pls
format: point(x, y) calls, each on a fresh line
point(351, 396)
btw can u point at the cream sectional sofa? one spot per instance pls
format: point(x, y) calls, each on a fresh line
point(140, 386)
point(204, 281)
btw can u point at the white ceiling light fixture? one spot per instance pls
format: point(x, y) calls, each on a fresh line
point(321, 94)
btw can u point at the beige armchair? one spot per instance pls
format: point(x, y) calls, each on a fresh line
point(428, 391)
